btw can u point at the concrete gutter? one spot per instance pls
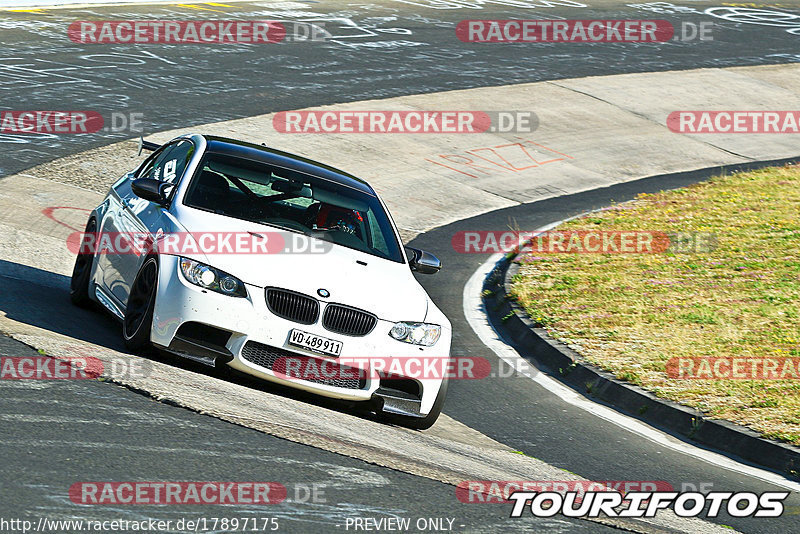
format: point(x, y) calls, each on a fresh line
point(593, 132)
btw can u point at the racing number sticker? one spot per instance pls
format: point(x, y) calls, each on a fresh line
point(169, 170)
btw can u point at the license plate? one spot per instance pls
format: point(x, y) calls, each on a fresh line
point(315, 342)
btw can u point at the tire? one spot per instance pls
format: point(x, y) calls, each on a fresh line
point(420, 423)
point(138, 319)
point(81, 272)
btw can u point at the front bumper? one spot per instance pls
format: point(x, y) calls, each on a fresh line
point(258, 337)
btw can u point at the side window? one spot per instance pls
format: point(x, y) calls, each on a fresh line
point(166, 164)
point(378, 242)
point(169, 164)
point(176, 161)
point(149, 167)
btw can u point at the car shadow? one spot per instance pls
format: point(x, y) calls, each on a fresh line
point(40, 299)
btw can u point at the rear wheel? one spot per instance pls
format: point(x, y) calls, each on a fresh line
point(81, 272)
point(141, 303)
point(420, 423)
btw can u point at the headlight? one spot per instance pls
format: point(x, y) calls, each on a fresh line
point(210, 278)
point(416, 333)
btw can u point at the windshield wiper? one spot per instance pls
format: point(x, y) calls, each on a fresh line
point(307, 232)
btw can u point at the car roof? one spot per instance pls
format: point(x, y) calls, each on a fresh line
point(271, 156)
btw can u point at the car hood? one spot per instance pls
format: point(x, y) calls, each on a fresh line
point(354, 278)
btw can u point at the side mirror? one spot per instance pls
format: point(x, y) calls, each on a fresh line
point(423, 262)
point(152, 190)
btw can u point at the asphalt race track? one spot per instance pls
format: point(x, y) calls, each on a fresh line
point(100, 425)
point(376, 50)
point(56, 433)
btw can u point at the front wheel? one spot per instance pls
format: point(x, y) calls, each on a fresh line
point(81, 272)
point(141, 303)
point(420, 423)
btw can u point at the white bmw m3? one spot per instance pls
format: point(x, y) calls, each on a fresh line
point(235, 254)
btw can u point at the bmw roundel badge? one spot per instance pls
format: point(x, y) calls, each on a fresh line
point(324, 293)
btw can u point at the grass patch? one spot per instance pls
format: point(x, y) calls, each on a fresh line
point(631, 313)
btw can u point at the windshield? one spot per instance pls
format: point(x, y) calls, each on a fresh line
point(291, 200)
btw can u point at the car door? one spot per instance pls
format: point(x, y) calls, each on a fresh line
point(134, 216)
point(109, 261)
